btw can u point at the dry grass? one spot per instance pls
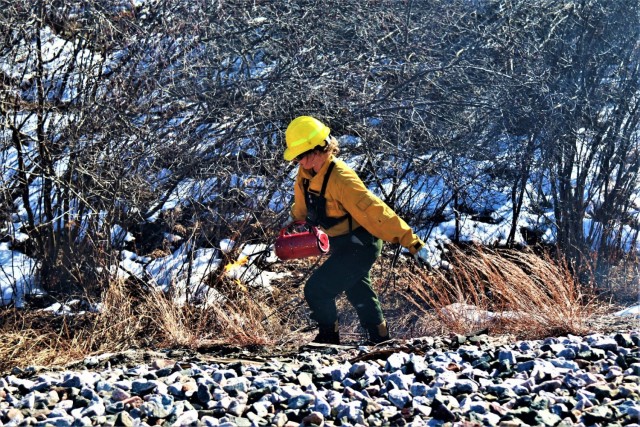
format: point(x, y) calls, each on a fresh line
point(33, 346)
point(505, 291)
point(527, 295)
point(153, 319)
point(131, 317)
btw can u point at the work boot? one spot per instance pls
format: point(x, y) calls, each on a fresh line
point(378, 333)
point(328, 334)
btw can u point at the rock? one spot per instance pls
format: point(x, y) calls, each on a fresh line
point(255, 420)
point(57, 422)
point(547, 418)
point(399, 380)
point(559, 381)
point(236, 384)
point(547, 386)
point(439, 411)
point(396, 361)
point(162, 363)
point(351, 412)
point(203, 393)
point(119, 395)
point(322, 406)
point(567, 353)
point(262, 408)
point(142, 387)
point(418, 389)
point(604, 343)
point(14, 416)
point(305, 379)
point(507, 358)
point(603, 391)
point(598, 415)
point(220, 375)
point(399, 398)
point(236, 408)
point(71, 380)
point(94, 410)
point(158, 406)
point(315, 418)
point(187, 418)
point(279, 419)
point(265, 382)
point(301, 400)
point(464, 386)
point(133, 402)
point(358, 369)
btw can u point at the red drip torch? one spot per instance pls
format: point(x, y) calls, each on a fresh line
point(293, 243)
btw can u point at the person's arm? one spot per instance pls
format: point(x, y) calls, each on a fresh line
point(299, 207)
point(374, 214)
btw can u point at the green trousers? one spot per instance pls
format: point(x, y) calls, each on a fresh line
point(346, 270)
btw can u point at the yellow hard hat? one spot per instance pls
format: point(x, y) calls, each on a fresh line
point(304, 133)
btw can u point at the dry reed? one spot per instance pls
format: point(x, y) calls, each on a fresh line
point(505, 291)
point(132, 316)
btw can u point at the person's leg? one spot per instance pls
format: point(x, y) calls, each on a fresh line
point(365, 300)
point(320, 292)
point(348, 265)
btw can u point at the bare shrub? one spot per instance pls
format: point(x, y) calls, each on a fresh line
point(621, 284)
point(185, 102)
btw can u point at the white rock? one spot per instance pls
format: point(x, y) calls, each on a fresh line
point(191, 417)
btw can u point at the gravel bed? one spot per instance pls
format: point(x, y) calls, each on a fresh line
point(458, 381)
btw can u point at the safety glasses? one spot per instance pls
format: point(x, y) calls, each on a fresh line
point(302, 156)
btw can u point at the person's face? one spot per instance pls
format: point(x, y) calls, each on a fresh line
point(306, 159)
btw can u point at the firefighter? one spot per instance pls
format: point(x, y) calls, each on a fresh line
point(330, 195)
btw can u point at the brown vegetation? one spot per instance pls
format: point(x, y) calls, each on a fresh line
point(505, 291)
point(529, 296)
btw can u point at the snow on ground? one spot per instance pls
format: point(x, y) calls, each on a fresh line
point(629, 311)
point(184, 270)
point(16, 276)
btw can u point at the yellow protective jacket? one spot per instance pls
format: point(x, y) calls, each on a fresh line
point(346, 193)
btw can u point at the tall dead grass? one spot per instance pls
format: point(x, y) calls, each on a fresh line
point(151, 318)
point(132, 316)
point(37, 339)
point(506, 291)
